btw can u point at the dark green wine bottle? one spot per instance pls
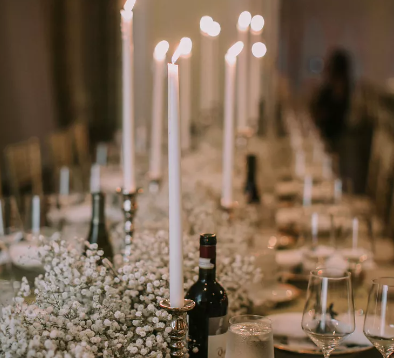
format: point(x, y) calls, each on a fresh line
point(98, 233)
point(208, 321)
point(251, 190)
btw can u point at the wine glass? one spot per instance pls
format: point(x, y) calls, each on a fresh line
point(379, 319)
point(328, 316)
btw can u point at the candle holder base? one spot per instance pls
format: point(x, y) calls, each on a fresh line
point(228, 210)
point(179, 326)
point(154, 186)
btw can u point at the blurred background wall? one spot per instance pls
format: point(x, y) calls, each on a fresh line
point(60, 59)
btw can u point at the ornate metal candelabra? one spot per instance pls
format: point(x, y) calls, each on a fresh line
point(129, 207)
point(179, 326)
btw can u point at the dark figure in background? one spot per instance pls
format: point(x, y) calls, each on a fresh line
point(331, 105)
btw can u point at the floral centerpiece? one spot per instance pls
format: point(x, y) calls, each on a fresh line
point(83, 309)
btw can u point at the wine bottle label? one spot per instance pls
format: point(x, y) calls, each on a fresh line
point(217, 338)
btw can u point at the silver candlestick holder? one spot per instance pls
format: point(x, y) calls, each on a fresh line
point(129, 207)
point(178, 325)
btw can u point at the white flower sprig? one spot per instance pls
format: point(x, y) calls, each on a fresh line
point(83, 310)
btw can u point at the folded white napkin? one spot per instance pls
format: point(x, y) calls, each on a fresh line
point(289, 259)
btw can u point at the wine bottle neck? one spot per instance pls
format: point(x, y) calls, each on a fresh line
point(207, 262)
point(98, 208)
point(206, 275)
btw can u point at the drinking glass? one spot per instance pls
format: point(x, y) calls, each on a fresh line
point(250, 336)
point(328, 315)
point(379, 319)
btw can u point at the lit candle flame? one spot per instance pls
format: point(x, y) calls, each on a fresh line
point(214, 29)
point(257, 23)
point(161, 50)
point(129, 5)
point(186, 44)
point(259, 49)
point(244, 20)
point(184, 48)
point(205, 23)
point(235, 49)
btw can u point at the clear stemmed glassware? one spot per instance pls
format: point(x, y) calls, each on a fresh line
point(329, 309)
point(249, 336)
point(379, 318)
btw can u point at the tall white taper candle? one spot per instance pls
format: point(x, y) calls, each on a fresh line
point(95, 183)
point(209, 76)
point(185, 96)
point(206, 65)
point(228, 140)
point(258, 51)
point(256, 28)
point(128, 139)
point(159, 55)
point(242, 73)
point(175, 191)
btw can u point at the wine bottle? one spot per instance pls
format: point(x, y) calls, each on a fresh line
point(251, 190)
point(208, 321)
point(98, 233)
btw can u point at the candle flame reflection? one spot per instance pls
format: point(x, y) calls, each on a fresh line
point(235, 49)
point(214, 29)
point(244, 20)
point(184, 48)
point(129, 5)
point(257, 23)
point(161, 50)
point(259, 49)
point(205, 23)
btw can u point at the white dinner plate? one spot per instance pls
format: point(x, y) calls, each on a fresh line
point(289, 336)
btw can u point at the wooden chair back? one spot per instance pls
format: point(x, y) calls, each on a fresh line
point(60, 144)
point(23, 161)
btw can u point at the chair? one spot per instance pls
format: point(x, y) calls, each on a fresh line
point(23, 162)
point(374, 163)
point(81, 157)
point(60, 144)
point(384, 175)
point(80, 142)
